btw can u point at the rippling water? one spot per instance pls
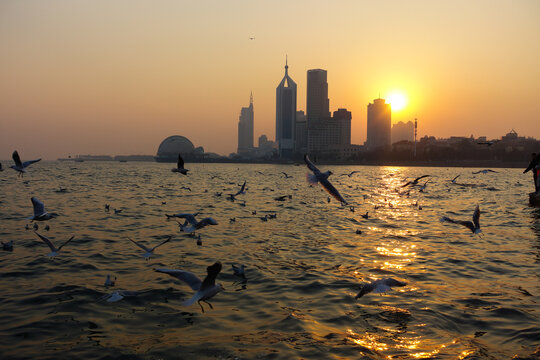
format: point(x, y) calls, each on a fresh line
point(467, 296)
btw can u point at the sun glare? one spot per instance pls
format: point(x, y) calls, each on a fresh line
point(397, 100)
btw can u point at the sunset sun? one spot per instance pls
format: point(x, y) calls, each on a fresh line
point(397, 100)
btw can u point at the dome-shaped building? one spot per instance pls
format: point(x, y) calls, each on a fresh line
point(173, 145)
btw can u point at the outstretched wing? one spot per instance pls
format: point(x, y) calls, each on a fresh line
point(333, 191)
point(189, 217)
point(61, 246)
point(210, 279)
point(493, 171)
point(188, 277)
point(454, 179)
point(180, 162)
point(476, 217)
point(366, 289)
point(47, 241)
point(39, 207)
point(243, 186)
point(16, 158)
point(393, 282)
point(208, 221)
point(30, 162)
point(140, 245)
point(421, 177)
point(155, 247)
point(310, 165)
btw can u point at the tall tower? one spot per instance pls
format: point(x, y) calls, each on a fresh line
point(286, 114)
point(245, 127)
point(317, 103)
point(379, 122)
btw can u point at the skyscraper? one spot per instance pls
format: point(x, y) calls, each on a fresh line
point(403, 131)
point(245, 128)
point(379, 120)
point(286, 114)
point(317, 103)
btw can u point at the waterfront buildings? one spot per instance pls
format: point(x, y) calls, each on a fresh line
point(402, 131)
point(317, 102)
point(286, 115)
point(245, 128)
point(379, 120)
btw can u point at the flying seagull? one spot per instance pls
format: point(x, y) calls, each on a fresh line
point(474, 226)
point(379, 286)
point(54, 250)
point(242, 190)
point(21, 166)
point(351, 173)
point(149, 251)
point(195, 225)
point(205, 289)
point(415, 181)
point(39, 211)
point(485, 171)
point(322, 178)
point(286, 175)
point(180, 166)
point(454, 179)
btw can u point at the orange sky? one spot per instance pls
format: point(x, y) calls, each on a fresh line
point(117, 77)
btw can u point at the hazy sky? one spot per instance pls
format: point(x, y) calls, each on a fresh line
point(117, 77)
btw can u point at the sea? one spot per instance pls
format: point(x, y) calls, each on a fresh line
point(468, 296)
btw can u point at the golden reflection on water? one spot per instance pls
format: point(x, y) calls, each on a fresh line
point(370, 341)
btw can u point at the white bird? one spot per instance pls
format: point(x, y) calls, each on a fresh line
point(109, 281)
point(319, 177)
point(180, 166)
point(205, 289)
point(118, 295)
point(39, 211)
point(54, 250)
point(474, 226)
point(21, 166)
point(195, 225)
point(149, 251)
point(379, 286)
point(485, 171)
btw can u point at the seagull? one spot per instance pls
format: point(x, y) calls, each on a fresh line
point(149, 252)
point(474, 226)
point(415, 181)
point(252, 38)
point(239, 270)
point(117, 211)
point(323, 179)
point(379, 286)
point(180, 166)
point(54, 250)
point(286, 176)
point(7, 246)
point(485, 171)
point(423, 187)
point(282, 197)
point(242, 190)
point(195, 225)
point(109, 281)
point(218, 194)
point(39, 211)
point(352, 173)
point(264, 218)
point(107, 207)
point(118, 295)
point(365, 216)
point(185, 188)
point(199, 241)
point(205, 289)
point(454, 179)
point(21, 166)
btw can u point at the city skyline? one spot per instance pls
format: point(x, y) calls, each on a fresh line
point(107, 78)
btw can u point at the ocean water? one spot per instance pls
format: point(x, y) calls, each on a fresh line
point(467, 296)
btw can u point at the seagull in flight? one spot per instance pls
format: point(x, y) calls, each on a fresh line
point(190, 219)
point(415, 181)
point(322, 178)
point(352, 173)
point(21, 166)
point(242, 190)
point(474, 226)
point(379, 286)
point(454, 179)
point(149, 251)
point(180, 166)
point(204, 290)
point(485, 171)
point(54, 251)
point(286, 175)
point(39, 211)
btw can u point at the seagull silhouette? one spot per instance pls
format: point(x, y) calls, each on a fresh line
point(485, 171)
point(474, 226)
point(180, 166)
point(379, 286)
point(195, 225)
point(39, 211)
point(204, 290)
point(319, 177)
point(415, 181)
point(149, 251)
point(54, 250)
point(286, 176)
point(21, 166)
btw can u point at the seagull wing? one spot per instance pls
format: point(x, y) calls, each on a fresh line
point(311, 166)
point(393, 282)
point(61, 246)
point(477, 172)
point(210, 279)
point(30, 162)
point(16, 158)
point(454, 179)
point(332, 191)
point(180, 162)
point(208, 221)
point(48, 242)
point(188, 277)
point(407, 184)
point(366, 289)
point(421, 177)
point(243, 186)
point(493, 171)
point(141, 246)
point(476, 217)
point(155, 247)
point(39, 207)
point(189, 217)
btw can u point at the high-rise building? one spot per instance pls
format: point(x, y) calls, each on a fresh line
point(317, 102)
point(328, 132)
point(403, 131)
point(245, 128)
point(301, 132)
point(286, 114)
point(379, 120)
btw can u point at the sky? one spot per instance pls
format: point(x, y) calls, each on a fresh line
point(117, 77)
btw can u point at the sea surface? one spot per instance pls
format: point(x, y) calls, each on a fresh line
point(467, 296)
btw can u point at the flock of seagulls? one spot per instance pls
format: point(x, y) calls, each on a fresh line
point(207, 288)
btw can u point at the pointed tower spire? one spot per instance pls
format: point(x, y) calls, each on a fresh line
point(286, 66)
point(251, 98)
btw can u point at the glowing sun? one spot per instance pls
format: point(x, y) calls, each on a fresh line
point(397, 100)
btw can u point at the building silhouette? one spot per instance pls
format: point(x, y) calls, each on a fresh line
point(245, 128)
point(403, 131)
point(379, 120)
point(286, 115)
point(317, 102)
point(301, 133)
